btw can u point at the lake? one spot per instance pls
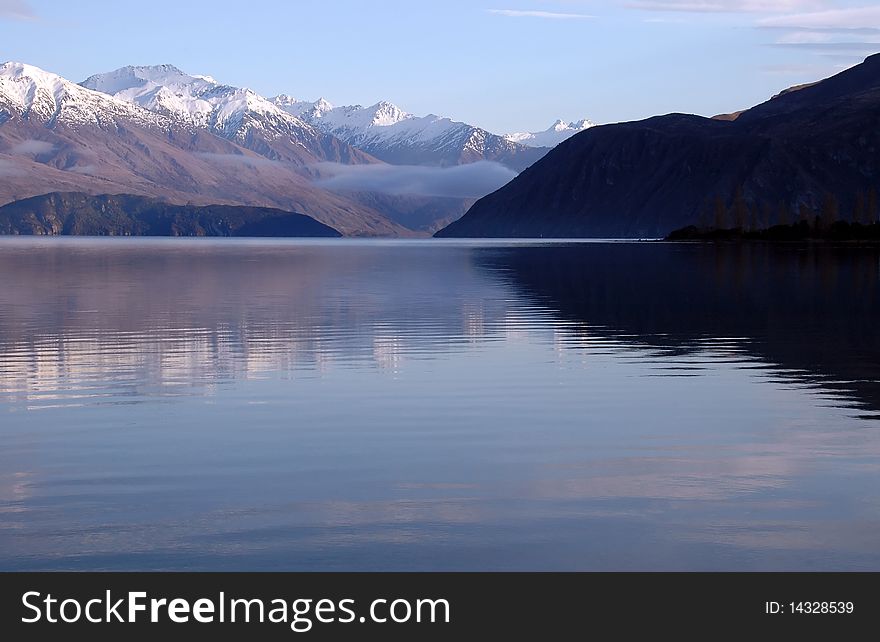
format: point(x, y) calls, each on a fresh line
point(428, 405)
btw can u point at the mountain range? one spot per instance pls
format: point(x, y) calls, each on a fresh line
point(557, 132)
point(387, 132)
point(233, 113)
point(813, 149)
point(159, 132)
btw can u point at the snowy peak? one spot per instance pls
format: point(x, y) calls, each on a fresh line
point(132, 77)
point(302, 109)
point(353, 121)
point(161, 88)
point(284, 100)
point(45, 97)
point(575, 125)
point(581, 125)
point(232, 112)
point(384, 114)
point(19, 70)
point(551, 137)
point(323, 105)
point(24, 85)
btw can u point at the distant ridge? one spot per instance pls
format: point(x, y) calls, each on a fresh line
point(558, 132)
point(78, 214)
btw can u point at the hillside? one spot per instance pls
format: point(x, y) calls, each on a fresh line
point(647, 178)
point(80, 214)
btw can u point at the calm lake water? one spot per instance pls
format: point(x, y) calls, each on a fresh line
point(371, 405)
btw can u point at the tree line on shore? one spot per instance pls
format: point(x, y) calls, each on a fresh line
point(742, 219)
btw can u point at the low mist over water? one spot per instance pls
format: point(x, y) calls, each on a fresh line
point(472, 180)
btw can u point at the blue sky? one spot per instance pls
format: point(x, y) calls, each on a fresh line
point(503, 64)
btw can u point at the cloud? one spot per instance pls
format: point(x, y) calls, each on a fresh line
point(82, 169)
point(804, 37)
point(552, 15)
point(9, 169)
point(850, 33)
point(236, 159)
point(462, 181)
point(866, 48)
point(16, 10)
point(845, 53)
point(725, 6)
point(809, 71)
point(812, 26)
point(853, 18)
point(33, 147)
point(665, 21)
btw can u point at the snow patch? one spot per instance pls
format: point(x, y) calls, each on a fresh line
point(237, 159)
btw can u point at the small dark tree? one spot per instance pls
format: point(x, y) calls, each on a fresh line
point(740, 210)
point(705, 216)
point(784, 214)
point(872, 205)
point(830, 210)
point(860, 213)
point(720, 214)
point(766, 216)
point(804, 212)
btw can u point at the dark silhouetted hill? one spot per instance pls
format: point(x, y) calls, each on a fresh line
point(645, 179)
point(74, 213)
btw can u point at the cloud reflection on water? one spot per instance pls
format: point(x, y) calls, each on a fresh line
point(412, 405)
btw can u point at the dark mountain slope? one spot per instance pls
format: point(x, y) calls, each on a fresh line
point(647, 178)
point(125, 215)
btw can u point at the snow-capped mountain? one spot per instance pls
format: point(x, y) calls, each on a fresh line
point(57, 136)
point(558, 132)
point(42, 97)
point(237, 114)
point(352, 121)
point(302, 109)
point(302, 132)
point(166, 89)
point(387, 132)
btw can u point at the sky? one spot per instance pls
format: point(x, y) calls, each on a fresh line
point(506, 65)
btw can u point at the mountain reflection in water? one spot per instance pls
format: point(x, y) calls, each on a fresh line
point(813, 311)
point(352, 405)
